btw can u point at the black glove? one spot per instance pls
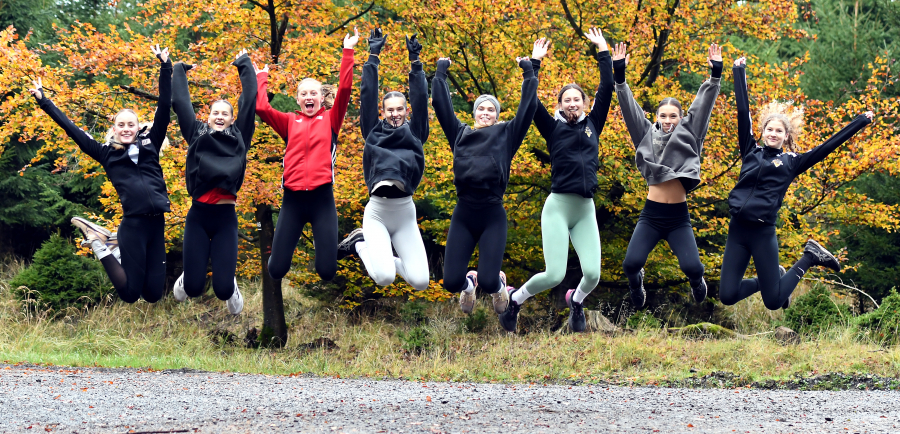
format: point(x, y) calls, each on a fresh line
point(414, 48)
point(186, 66)
point(619, 70)
point(376, 41)
point(443, 66)
point(716, 69)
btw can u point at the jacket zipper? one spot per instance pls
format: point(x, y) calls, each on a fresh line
point(141, 175)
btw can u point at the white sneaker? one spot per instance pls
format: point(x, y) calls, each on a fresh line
point(467, 298)
point(178, 289)
point(501, 298)
point(236, 302)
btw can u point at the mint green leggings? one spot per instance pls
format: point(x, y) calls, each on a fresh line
point(568, 216)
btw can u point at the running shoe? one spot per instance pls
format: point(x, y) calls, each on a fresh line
point(699, 292)
point(467, 298)
point(577, 322)
point(91, 231)
point(112, 242)
point(501, 297)
point(178, 289)
point(347, 247)
point(510, 317)
point(236, 302)
point(639, 295)
point(821, 256)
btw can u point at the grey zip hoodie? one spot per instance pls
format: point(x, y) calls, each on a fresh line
point(660, 156)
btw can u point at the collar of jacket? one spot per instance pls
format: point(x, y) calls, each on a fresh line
point(388, 124)
point(321, 110)
point(769, 151)
point(563, 119)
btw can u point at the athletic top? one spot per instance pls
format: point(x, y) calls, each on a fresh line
point(482, 157)
point(214, 195)
point(141, 186)
point(660, 156)
point(311, 140)
point(766, 172)
point(393, 154)
point(216, 159)
point(573, 147)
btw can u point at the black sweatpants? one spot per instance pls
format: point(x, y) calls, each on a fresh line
point(470, 225)
point(757, 240)
point(298, 208)
point(210, 234)
point(142, 273)
point(663, 221)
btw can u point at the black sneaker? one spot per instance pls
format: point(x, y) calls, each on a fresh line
point(638, 295)
point(699, 292)
point(576, 313)
point(347, 247)
point(510, 317)
point(821, 256)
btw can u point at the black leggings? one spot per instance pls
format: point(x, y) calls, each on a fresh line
point(142, 273)
point(746, 239)
point(663, 221)
point(298, 208)
point(210, 233)
point(471, 225)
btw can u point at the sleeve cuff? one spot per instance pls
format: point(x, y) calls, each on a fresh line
point(416, 66)
point(716, 69)
point(619, 71)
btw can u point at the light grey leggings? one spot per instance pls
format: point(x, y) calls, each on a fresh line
point(392, 222)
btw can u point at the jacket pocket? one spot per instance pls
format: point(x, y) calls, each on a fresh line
point(477, 171)
point(215, 168)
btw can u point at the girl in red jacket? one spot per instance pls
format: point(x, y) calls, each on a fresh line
point(311, 134)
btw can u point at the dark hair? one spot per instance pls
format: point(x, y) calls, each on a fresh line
point(567, 87)
point(670, 101)
point(226, 102)
point(390, 95)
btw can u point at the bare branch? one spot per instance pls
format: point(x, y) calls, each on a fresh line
point(371, 5)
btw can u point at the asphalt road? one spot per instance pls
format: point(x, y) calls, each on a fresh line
point(98, 400)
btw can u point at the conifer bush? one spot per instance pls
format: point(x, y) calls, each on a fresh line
point(883, 324)
point(815, 312)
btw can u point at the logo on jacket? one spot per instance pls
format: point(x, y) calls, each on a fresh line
point(587, 130)
point(777, 162)
point(299, 120)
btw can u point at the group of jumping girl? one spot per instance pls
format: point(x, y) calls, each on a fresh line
point(667, 154)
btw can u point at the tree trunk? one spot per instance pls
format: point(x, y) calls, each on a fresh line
point(274, 329)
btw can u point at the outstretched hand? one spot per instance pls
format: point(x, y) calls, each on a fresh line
point(620, 51)
point(38, 89)
point(869, 114)
point(740, 61)
point(163, 54)
point(541, 46)
point(376, 41)
point(715, 54)
point(264, 69)
point(596, 36)
point(413, 47)
point(241, 53)
point(520, 59)
point(351, 41)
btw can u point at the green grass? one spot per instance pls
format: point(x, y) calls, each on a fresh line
point(170, 335)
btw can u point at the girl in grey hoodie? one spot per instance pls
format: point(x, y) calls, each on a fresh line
point(667, 153)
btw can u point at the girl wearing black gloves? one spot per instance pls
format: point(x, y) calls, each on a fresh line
point(481, 158)
point(668, 155)
point(569, 212)
point(766, 173)
point(214, 171)
point(131, 162)
point(393, 162)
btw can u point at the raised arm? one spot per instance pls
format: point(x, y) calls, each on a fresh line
point(246, 118)
point(817, 154)
point(543, 120)
point(84, 141)
point(701, 109)
point(600, 108)
point(418, 91)
point(528, 102)
point(635, 119)
point(161, 118)
point(742, 99)
point(443, 106)
point(368, 89)
point(345, 83)
point(280, 122)
point(181, 102)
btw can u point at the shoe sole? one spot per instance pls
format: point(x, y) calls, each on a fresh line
point(502, 297)
point(82, 223)
point(467, 302)
point(643, 293)
point(824, 250)
point(349, 240)
point(569, 295)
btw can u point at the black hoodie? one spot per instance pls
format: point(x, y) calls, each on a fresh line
point(216, 159)
point(481, 157)
point(766, 172)
point(141, 187)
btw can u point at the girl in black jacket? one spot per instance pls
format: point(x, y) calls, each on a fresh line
point(131, 162)
point(569, 212)
point(481, 160)
point(214, 171)
point(766, 173)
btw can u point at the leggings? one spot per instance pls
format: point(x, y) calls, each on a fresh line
point(663, 221)
point(210, 234)
point(746, 239)
point(568, 216)
point(142, 245)
point(471, 224)
point(297, 209)
point(392, 222)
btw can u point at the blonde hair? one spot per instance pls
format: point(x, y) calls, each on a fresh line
point(789, 115)
point(328, 91)
point(110, 135)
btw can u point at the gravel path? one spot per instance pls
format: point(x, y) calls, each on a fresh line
point(91, 400)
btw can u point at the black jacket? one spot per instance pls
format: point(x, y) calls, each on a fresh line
point(393, 153)
point(574, 147)
point(216, 159)
point(766, 173)
point(481, 157)
point(141, 187)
